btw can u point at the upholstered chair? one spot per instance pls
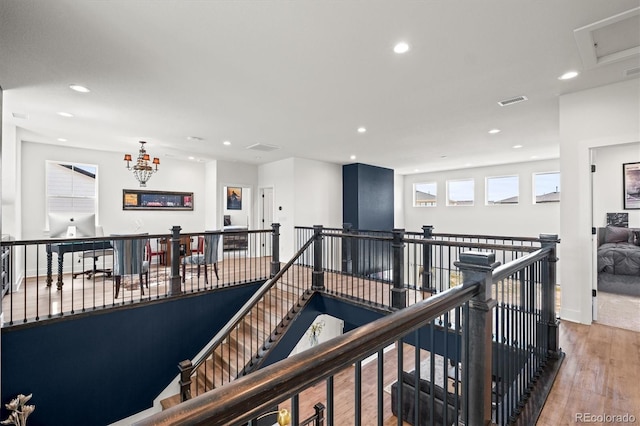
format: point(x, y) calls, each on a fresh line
point(207, 254)
point(129, 259)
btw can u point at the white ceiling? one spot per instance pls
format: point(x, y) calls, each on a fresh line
point(303, 75)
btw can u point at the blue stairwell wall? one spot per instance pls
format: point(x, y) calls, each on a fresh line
point(109, 365)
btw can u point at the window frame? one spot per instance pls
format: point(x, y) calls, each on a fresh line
point(415, 190)
point(486, 190)
point(533, 185)
point(473, 194)
point(48, 196)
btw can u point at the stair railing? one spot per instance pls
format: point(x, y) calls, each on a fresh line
point(231, 349)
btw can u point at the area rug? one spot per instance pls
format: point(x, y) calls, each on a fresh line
point(619, 284)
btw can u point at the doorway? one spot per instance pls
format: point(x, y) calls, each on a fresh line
point(266, 216)
point(616, 300)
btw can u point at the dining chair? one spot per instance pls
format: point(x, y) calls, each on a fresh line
point(129, 259)
point(207, 256)
point(158, 252)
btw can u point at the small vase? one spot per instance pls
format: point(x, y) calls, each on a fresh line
point(313, 340)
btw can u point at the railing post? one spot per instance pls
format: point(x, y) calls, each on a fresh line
point(186, 368)
point(549, 296)
point(427, 233)
point(477, 267)
point(176, 287)
point(319, 410)
point(398, 292)
point(317, 279)
point(275, 249)
point(347, 261)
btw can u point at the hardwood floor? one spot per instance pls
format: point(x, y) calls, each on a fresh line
point(600, 375)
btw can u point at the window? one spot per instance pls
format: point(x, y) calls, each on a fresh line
point(546, 187)
point(502, 190)
point(71, 187)
point(425, 194)
point(460, 192)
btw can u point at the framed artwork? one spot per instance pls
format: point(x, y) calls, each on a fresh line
point(234, 198)
point(631, 185)
point(134, 199)
point(618, 219)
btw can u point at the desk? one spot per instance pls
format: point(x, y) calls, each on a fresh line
point(71, 247)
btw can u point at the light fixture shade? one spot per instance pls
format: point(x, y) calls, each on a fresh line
point(142, 170)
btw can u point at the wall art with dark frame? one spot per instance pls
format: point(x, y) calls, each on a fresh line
point(631, 185)
point(134, 199)
point(234, 198)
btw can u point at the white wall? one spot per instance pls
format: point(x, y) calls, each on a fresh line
point(305, 193)
point(524, 219)
point(279, 175)
point(318, 193)
point(239, 175)
point(608, 177)
point(607, 115)
point(398, 202)
point(113, 177)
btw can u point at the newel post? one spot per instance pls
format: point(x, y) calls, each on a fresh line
point(275, 249)
point(317, 278)
point(176, 287)
point(477, 267)
point(549, 281)
point(186, 368)
point(427, 234)
point(398, 292)
point(347, 251)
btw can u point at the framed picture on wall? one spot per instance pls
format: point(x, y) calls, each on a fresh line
point(631, 185)
point(234, 198)
point(134, 199)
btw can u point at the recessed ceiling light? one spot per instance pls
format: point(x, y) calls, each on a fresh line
point(62, 140)
point(494, 131)
point(533, 157)
point(194, 138)
point(416, 170)
point(468, 165)
point(353, 157)
point(517, 146)
point(401, 47)
point(79, 88)
point(20, 115)
point(227, 143)
point(361, 129)
point(191, 158)
point(568, 75)
point(65, 114)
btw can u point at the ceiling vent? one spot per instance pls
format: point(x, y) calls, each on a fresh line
point(631, 72)
point(609, 40)
point(20, 115)
point(263, 147)
point(512, 101)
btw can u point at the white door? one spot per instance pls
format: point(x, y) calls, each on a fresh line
point(266, 216)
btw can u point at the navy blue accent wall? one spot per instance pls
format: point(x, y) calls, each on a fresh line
point(367, 197)
point(106, 366)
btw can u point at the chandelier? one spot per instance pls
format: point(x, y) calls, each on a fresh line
point(142, 170)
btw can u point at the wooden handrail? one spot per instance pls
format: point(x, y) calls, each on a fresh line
point(248, 396)
point(246, 308)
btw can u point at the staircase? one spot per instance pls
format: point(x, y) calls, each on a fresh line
point(245, 347)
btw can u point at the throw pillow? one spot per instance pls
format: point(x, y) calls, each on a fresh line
point(616, 234)
point(636, 238)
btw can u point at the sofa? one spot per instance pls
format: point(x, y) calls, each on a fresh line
point(619, 250)
point(424, 387)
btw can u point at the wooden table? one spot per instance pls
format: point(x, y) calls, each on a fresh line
point(185, 247)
